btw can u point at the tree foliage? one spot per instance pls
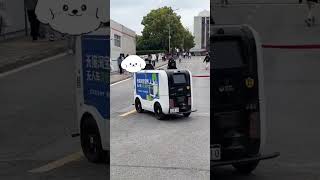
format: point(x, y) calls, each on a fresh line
point(155, 34)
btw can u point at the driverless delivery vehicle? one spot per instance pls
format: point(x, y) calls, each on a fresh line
point(163, 92)
point(93, 87)
point(238, 121)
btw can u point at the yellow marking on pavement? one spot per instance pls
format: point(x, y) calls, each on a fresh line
point(58, 163)
point(128, 113)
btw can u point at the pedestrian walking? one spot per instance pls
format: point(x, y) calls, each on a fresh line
point(157, 57)
point(148, 66)
point(120, 59)
point(71, 39)
point(172, 64)
point(207, 61)
point(153, 60)
point(30, 6)
point(310, 17)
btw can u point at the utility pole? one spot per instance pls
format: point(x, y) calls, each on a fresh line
point(170, 32)
point(169, 38)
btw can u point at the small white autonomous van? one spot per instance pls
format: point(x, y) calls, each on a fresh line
point(93, 87)
point(238, 119)
point(163, 92)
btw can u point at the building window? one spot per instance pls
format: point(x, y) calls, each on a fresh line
point(203, 33)
point(117, 40)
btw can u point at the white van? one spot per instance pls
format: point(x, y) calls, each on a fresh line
point(237, 101)
point(93, 87)
point(163, 92)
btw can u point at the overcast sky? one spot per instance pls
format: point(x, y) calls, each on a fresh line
point(130, 12)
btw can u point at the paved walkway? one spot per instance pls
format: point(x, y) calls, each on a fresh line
point(115, 76)
point(21, 51)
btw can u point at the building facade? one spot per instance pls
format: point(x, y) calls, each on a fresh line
point(123, 40)
point(201, 32)
point(12, 15)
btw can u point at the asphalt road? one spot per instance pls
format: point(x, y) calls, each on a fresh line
point(292, 84)
point(143, 147)
point(37, 117)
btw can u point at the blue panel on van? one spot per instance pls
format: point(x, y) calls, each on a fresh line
point(96, 72)
point(147, 85)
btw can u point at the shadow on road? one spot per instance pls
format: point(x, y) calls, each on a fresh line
point(228, 173)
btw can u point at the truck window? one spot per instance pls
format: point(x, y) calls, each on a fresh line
point(226, 54)
point(179, 79)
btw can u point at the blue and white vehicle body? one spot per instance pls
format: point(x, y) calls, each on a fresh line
point(93, 93)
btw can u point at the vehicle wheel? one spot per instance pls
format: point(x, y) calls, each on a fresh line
point(91, 141)
point(186, 114)
point(246, 168)
point(158, 111)
point(138, 106)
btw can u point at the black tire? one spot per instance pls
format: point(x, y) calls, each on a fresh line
point(186, 114)
point(158, 111)
point(246, 168)
point(138, 105)
point(91, 141)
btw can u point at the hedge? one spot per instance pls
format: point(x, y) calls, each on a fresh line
point(146, 52)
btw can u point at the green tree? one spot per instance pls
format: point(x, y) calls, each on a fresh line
point(155, 34)
point(188, 40)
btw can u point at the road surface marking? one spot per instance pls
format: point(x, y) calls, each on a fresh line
point(121, 81)
point(128, 113)
point(31, 65)
point(259, 4)
point(58, 163)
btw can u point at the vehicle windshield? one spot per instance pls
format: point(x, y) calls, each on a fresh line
point(226, 54)
point(179, 79)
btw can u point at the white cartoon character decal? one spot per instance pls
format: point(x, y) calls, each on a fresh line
point(133, 63)
point(74, 17)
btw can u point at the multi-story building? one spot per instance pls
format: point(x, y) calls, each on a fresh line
point(201, 32)
point(12, 17)
point(123, 40)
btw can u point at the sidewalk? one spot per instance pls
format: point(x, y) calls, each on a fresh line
point(21, 51)
point(116, 77)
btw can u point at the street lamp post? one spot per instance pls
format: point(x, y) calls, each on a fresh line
point(169, 38)
point(170, 32)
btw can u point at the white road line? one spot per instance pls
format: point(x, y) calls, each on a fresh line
point(2, 75)
point(58, 163)
point(113, 84)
